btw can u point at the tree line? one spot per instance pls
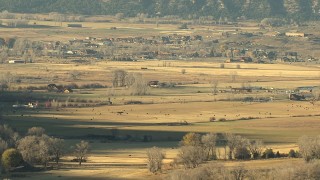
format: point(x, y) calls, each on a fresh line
point(196, 150)
point(231, 9)
point(35, 148)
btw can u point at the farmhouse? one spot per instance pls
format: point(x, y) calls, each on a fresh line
point(296, 97)
point(153, 83)
point(16, 61)
point(241, 90)
point(295, 34)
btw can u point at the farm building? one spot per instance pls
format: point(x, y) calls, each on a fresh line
point(153, 83)
point(296, 97)
point(16, 61)
point(295, 34)
point(305, 89)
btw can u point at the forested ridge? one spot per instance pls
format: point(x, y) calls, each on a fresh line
point(231, 9)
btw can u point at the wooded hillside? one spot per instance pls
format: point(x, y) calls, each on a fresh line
point(231, 9)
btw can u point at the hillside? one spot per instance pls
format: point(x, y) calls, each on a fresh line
point(231, 9)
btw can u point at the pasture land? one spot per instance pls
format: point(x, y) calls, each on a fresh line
point(165, 114)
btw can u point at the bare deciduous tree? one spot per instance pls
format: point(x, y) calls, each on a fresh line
point(8, 135)
point(36, 131)
point(3, 57)
point(209, 143)
point(20, 46)
point(118, 78)
point(140, 86)
point(191, 156)
point(232, 143)
point(3, 146)
point(316, 93)
point(256, 148)
point(233, 75)
point(56, 148)
point(309, 147)
point(214, 87)
point(6, 79)
point(81, 151)
point(238, 173)
point(155, 158)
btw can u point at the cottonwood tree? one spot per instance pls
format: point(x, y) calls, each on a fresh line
point(6, 79)
point(209, 143)
point(191, 156)
point(242, 151)
point(119, 77)
point(256, 147)
point(192, 152)
point(139, 86)
point(36, 131)
point(81, 151)
point(3, 146)
point(309, 147)
point(20, 46)
point(3, 57)
point(232, 143)
point(56, 146)
point(191, 139)
point(35, 149)
point(214, 87)
point(8, 135)
point(155, 158)
point(129, 79)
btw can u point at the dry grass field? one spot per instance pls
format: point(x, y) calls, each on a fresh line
point(163, 112)
point(278, 123)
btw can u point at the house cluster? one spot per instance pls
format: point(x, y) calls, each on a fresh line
point(174, 46)
point(302, 93)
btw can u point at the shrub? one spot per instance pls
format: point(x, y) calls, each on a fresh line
point(11, 158)
point(268, 153)
point(133, 102)
point(248, 99)
point(155, 158)
point(93, 85)
point(222, 119)
point(242, 153)
point(292, 154)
